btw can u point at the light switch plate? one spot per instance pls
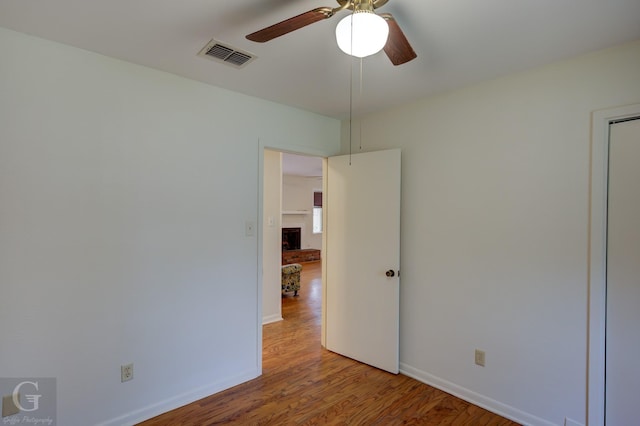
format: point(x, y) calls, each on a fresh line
point(249, 228)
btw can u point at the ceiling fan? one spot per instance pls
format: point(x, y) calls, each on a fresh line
point(396, 45)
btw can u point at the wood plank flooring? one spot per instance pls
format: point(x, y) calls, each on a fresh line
point(304, 384)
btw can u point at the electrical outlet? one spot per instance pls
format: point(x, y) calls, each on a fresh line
point(479, 357)
point(126, 372)
point(9, 408)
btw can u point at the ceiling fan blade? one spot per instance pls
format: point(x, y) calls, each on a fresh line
point(291, 24)
point(397, 48)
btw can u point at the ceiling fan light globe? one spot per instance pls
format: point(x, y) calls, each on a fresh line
point(370, 33)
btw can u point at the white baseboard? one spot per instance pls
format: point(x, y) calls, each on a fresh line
point(178, 401)
point(271, 318)
point(475, 398)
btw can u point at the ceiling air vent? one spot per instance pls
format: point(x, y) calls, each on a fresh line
point(220, 53)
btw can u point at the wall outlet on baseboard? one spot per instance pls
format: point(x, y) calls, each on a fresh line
point(479, 357)
point(126, 372)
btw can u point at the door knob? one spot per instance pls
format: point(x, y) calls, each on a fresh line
point(391, 273)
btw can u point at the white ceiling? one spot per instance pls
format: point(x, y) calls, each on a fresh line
point(458, 42)
point(301, 165)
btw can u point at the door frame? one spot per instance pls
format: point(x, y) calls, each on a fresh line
point(597, 261)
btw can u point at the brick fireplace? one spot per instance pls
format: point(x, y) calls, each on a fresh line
point(291, 248)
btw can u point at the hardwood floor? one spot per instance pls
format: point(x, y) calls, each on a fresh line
point(304, 384)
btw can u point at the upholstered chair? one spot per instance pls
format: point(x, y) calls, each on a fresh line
point(291, 278)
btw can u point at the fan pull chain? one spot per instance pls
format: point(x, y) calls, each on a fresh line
point(351, 91)
point(350, 107)
point(360, 121)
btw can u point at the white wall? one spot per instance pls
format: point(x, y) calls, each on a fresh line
point(495, 204)
point(297, 194)
point(272, 237)
point(124, 194)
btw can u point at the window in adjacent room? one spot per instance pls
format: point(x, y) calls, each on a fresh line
point(317, 212)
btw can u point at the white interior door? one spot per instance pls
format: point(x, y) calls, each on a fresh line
point(623, 276)
point(363, 244)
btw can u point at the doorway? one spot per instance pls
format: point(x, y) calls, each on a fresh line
point(356, 264)
point(293, 228)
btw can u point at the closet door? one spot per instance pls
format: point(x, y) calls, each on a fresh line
point(623, 276)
